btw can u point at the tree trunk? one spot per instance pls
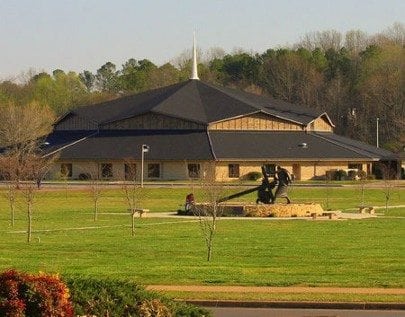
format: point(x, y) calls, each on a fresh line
point(95, 209)
point(133, 222)
point(12, 213)
point(29, 229)
point(209, 251)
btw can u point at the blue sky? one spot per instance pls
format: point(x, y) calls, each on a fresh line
point(84, 34)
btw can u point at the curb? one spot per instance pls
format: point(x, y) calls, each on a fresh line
point(302, 305)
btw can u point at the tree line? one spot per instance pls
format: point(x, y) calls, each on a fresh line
point(355, 77)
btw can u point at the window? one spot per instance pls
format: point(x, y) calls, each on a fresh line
point(106, 170)
point(130, 171)
point(66, 170)
point(193, 170)
point(356, 166)
point(270, 169)
point(233, 170)
point(154, 170)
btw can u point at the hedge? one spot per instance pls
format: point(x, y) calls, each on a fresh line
point(43, 295)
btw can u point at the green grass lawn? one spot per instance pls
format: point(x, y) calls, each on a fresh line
point(357, 253)
point(170, 199)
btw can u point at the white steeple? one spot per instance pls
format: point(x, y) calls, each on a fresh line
point(194, 73)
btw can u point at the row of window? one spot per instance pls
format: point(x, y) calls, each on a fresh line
point(106, 170)
point(154, 171)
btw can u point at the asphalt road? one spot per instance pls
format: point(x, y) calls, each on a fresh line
point(283, 312)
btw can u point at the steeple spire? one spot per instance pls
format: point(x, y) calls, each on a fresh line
point(194, 73)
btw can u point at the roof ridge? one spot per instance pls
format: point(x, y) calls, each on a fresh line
point(188, 83)
point(154, 98)
point(222, 88)
point(266, 99)
point(211, 145)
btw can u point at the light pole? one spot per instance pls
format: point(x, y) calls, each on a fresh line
point(144, 149)
point(378, 119)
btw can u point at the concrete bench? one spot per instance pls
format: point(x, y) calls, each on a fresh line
point(330, 214)
point(366, 209)
point(141, 211)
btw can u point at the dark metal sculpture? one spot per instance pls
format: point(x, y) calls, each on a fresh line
point(283, 179)
point(264, 191)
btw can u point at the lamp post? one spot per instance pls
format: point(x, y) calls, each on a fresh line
point(144, 149)
point(378, 119)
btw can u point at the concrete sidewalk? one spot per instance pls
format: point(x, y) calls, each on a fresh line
point(277, 290)
point(288, 290)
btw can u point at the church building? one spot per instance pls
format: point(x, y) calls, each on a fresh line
point(174, 132)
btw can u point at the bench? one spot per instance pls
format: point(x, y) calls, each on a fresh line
point(141, 211)
point(330, 214)
point(366, 209)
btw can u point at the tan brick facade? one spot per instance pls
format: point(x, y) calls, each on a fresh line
point(178, 170)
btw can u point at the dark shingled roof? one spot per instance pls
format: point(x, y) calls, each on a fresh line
point(203, 145)
point(287, 145)
point(196, 101)
point(119, 144)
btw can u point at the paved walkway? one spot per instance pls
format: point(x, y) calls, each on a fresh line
point(277, 290)
point(340, 215)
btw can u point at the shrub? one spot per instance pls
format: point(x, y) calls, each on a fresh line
point(40, 295)
point(253, 176)
point(340, 175)
point(123, 298)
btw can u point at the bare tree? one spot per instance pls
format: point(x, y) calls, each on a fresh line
point(388, 175)
point(210, 210)
point(31, 169)
point(9, 175)
point(21, 127)
point(64, 176)
point(22, 160)
point(324, 40)
point(93, 176)
point(362, 178)
point(132, 190)
point(328, 188)
point(356, 41)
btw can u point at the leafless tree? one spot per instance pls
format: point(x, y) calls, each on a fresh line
point(362, 179)
point(34, 167)
point(388, 175)
point(23, 162)
point(328, 188)
point(210, 209)
point(8, 174)
point(64, 176)
point(356, 41)
point(132, 190)
point(324, 40)
point(95, 183)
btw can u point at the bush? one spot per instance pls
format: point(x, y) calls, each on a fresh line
point(253, 176)
point(44, 295)
point(40, 295)
point(123, 298)
point(340, 175)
